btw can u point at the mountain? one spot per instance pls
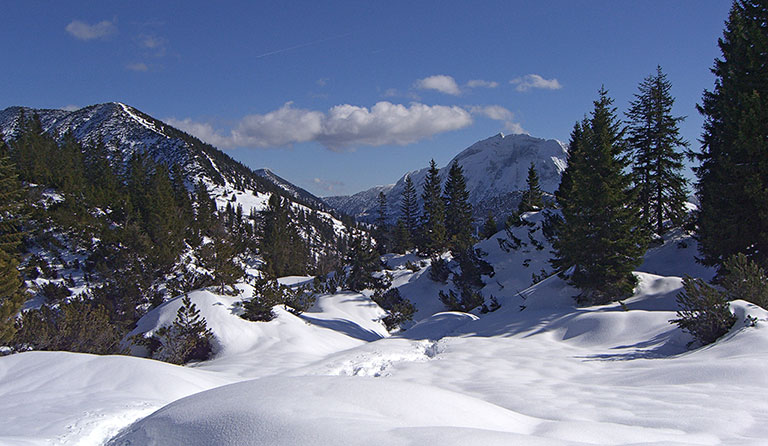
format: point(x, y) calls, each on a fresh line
point(125, 130)
point(495, 169)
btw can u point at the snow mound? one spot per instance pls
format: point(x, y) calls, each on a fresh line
point(322, 410)
point(83, 399)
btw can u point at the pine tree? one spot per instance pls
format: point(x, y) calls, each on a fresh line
point(733, 175)
point(653, 139)
point(402, 240)
point(382, 232)
point(188, 338)
point(458, 211)
point(11, 294)
point(218, 256)
point(601, 237)
point(489, 227)
point(532, 199)
point(432, 234)
point(409, 212)
point(363, 261)
point(280, 244)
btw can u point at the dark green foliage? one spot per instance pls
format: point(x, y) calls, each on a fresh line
point(382, 232)
point(438, 270)
point(402, 240)
point(745, 279)
point(409, 215)
point(78, 326)
point(266, 294)
point(657, 166)
point(458, 211)
point(299, 300)
point(12, 296)
point(187, 339)
point(489, 227)
point(704, 311)
point(412, 266)
point(432, 235)
point(733, 175)
point(399, 310)
point(363, 261)
point(55, 292)
point(219, 257)
point(532, 199)
point(11, 204)
point(281, 247)
point(601, 238)
point(467, 299)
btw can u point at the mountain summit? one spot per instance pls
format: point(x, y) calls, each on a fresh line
point(495, 169)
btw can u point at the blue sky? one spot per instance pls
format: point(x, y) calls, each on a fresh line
point(340, 96)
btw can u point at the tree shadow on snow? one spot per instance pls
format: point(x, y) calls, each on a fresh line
point(346, 327)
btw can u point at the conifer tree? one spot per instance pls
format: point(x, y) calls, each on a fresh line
point(363, 261)
point(532, 196)
point(432, 236)
point(281, 247)
point(653, 139)
point(188, 338)
point(489, 227)
point(11, 294)
point(733, 175)
point(458, 211)
point(601, 237)
point(381, 233)
point(402, 240)
point(409, 212)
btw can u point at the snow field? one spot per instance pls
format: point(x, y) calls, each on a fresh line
point(538, 371)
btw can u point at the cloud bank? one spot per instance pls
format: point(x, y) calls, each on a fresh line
point(480, 83)
point(530, 81)
point(83, 31)
point(341, 127)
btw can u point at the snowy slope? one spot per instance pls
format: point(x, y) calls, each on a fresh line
point(538, 371)
point(495, 169)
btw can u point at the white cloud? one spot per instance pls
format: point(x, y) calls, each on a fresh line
point(475, 83)
point(342, 127)
point(71, 107)
point(498, 113)
point(139, 66)
point(440, 82)
point(84, 31)
point(529, 81)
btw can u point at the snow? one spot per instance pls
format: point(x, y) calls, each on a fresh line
point(538, 371)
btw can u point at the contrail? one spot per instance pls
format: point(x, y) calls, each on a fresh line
point(302, 45)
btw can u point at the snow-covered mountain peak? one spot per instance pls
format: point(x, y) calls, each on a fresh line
point(495, 168)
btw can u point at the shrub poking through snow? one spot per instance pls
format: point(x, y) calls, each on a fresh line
point(439, 271)
point(399, 309)
point(298, 300)
point(187, 339)
point(746, 280)
point(266, 294)
point(704, 311)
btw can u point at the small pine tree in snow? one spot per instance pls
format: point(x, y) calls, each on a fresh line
point(187, 339)
point(704, 311)
point(532, 199)
point(745, 279)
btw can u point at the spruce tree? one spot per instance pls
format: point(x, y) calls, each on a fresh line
point(432, 234)
point(188, 338)
point(532, 199)
point(733, 175)
point(409, 211)
point(654, 137)
point(601, 237)
point(12, 296)
point(363, 261)
point(489, 227)
point(382, 233)
point(458, 211)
